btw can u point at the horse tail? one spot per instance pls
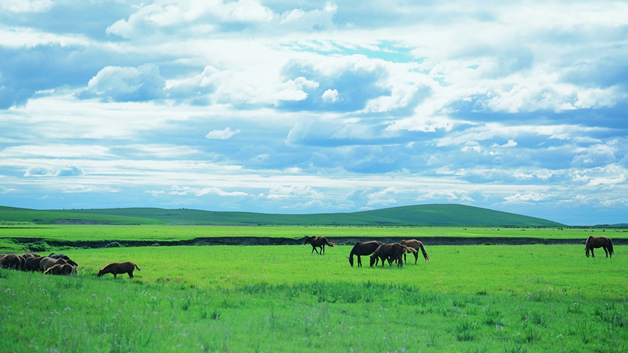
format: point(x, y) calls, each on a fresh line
point(425, 255)
point(136, 266)
point(610, 247)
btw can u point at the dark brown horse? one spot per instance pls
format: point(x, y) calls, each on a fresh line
point(64, 269)
point(599, 242)
point(117, 268)
point(391, 252)
point(363, 248)
point(318, 242)
point(417, 245)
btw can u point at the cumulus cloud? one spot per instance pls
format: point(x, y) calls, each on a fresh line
point(180, 13)
point(126, 84)
point(221, 134)
point(330, 96)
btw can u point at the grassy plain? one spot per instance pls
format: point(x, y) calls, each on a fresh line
point(282, 298)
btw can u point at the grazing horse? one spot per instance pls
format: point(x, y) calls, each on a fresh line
point(63, 256)
point(363, 248)
point(64, 269)
point(392, 252)
point(32, 264)
point(117, 268)
point(417, 245)
point(47, 262)
point(599, 242)
point(318, 242)
point(12, 261)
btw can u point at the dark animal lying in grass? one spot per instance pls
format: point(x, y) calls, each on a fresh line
point(64, 269)
point(117, 268)
point(318, 242)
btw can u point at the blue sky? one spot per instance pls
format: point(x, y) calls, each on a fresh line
point(317, 106)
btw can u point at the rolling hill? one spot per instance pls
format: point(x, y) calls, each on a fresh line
point(419, 215)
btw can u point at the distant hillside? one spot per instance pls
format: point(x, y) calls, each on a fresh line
point(421, 215)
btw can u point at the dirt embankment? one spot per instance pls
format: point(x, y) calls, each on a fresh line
point(299, 241)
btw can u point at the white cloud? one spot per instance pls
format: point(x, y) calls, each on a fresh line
point(221, 134)
point(330, 96)
point(24, 6)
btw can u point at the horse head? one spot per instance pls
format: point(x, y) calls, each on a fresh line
point(350, 260)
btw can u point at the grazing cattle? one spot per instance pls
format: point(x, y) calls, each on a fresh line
point(64, 269)
point(318, 242)
point(417, 245)
point(391, 252)
point(117, 268)
point(362, 248)
point(32, 264)
point(599, 242)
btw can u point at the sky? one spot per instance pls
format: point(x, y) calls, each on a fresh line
point(316, 106)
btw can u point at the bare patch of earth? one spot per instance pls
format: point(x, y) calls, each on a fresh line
point(248, 241)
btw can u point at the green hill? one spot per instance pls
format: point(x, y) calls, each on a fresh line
point(420, 215)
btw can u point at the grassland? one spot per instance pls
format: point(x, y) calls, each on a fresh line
point(267, 299)
point(40, 235)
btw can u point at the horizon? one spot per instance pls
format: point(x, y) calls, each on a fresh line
point(317, 107)
point(319, 213)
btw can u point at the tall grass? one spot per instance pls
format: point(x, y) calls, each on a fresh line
point(78, 314)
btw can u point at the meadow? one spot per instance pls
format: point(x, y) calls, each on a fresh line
point(283, 298)
point(165, 233)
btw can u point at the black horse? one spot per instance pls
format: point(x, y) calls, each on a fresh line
point(599, 242)
point(363, 248)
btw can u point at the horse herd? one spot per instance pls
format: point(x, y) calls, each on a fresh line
point(393, 251)
point(58, 264)
point(379, 251)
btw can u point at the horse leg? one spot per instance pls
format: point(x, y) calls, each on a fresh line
point(416, 257)
point(605, 250)
point(359, 261)
point(313, 249)
point(323, 249)
point(130, 274)
point(592, 254)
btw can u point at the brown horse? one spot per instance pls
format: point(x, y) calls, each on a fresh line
point(599, 242)
point(64, 269)
point(417, 245)
point(117, 268)
point(12, 261)
point(47, 262)
point(318, 242)
point(32, 264)
point(363, 248)
point(391, 252)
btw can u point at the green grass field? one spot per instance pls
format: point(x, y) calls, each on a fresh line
point(282, 298)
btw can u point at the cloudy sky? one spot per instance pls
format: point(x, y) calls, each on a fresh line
point(316, 106)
